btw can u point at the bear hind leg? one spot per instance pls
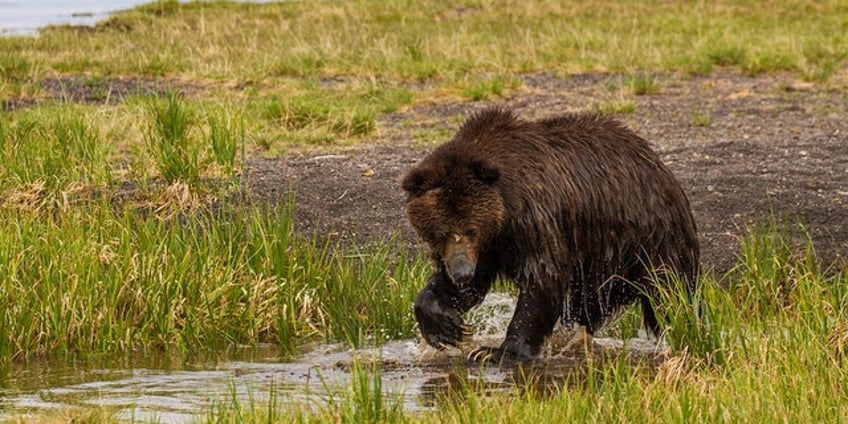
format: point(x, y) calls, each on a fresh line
point(649, 317)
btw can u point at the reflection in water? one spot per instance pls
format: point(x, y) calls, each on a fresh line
point(176, 390)
point(542, 378)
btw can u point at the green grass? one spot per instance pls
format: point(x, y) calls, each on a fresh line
point(701, 119)
point(615, 106)
point(175, 151)
point(51, 151)
point(96, 280)
point(641, 85)
point(325, 86)
point(314, 114)
point(427, 40)
point(85, 273)
point(313, 87)
point(15, 68)
point(768, 346)
point(56, 153)
point(226, 134)
point(486, 89)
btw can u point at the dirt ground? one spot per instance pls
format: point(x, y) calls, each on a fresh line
point(746, 149)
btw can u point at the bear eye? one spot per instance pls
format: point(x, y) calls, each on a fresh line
point(471, 233)
point(439, 237)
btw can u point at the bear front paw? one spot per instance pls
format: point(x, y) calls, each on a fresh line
point(442, 328)
point(450, 338)
point(440, 324)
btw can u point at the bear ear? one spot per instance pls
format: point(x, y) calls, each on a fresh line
point(485, 171)
point(415, 182)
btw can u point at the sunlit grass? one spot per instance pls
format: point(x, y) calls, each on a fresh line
point(319, 115)
point(97, 280)
point(52, 149)
point(84, 273)
point(437, 39)
point(55, 154)
point(641, 85)
point(769, 346)
point(322, 73)
point(175, 151)
point(226, 135)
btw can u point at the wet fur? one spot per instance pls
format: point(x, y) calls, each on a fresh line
point(575, 211)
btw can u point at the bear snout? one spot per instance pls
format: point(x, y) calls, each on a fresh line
point(460, 270)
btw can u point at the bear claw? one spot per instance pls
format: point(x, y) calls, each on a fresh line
point(467, 330)
point(482, 354)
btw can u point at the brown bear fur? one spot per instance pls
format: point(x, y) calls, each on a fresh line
point(576, 210)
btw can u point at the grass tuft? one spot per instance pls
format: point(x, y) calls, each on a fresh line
point(696, 328)
point(702, 120)
point(486, 89)
point(171, 143)
point(641, 85)
point(15, 68)
point(615, 107)
point(366, 401)
point(330, 116)
point(226, 135)
point(303, 112)
point(726, 55)
point(53, 152)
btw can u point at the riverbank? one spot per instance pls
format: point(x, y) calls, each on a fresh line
point(148, 164)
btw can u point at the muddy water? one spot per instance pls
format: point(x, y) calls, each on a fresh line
point(175, 391)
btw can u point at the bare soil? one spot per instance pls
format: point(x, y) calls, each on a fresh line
point(748, 151)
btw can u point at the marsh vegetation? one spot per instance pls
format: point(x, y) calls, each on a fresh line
point(126, 225)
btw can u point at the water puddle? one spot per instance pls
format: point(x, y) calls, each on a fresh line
point(411, 372)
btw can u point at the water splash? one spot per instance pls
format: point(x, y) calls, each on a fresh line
point(412, 372)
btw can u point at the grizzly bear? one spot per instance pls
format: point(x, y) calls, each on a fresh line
point(577, 210)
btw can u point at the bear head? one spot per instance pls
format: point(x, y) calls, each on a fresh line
point(455, 206)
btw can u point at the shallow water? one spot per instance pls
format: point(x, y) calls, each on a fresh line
point(25, 17)
point(176, 391)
